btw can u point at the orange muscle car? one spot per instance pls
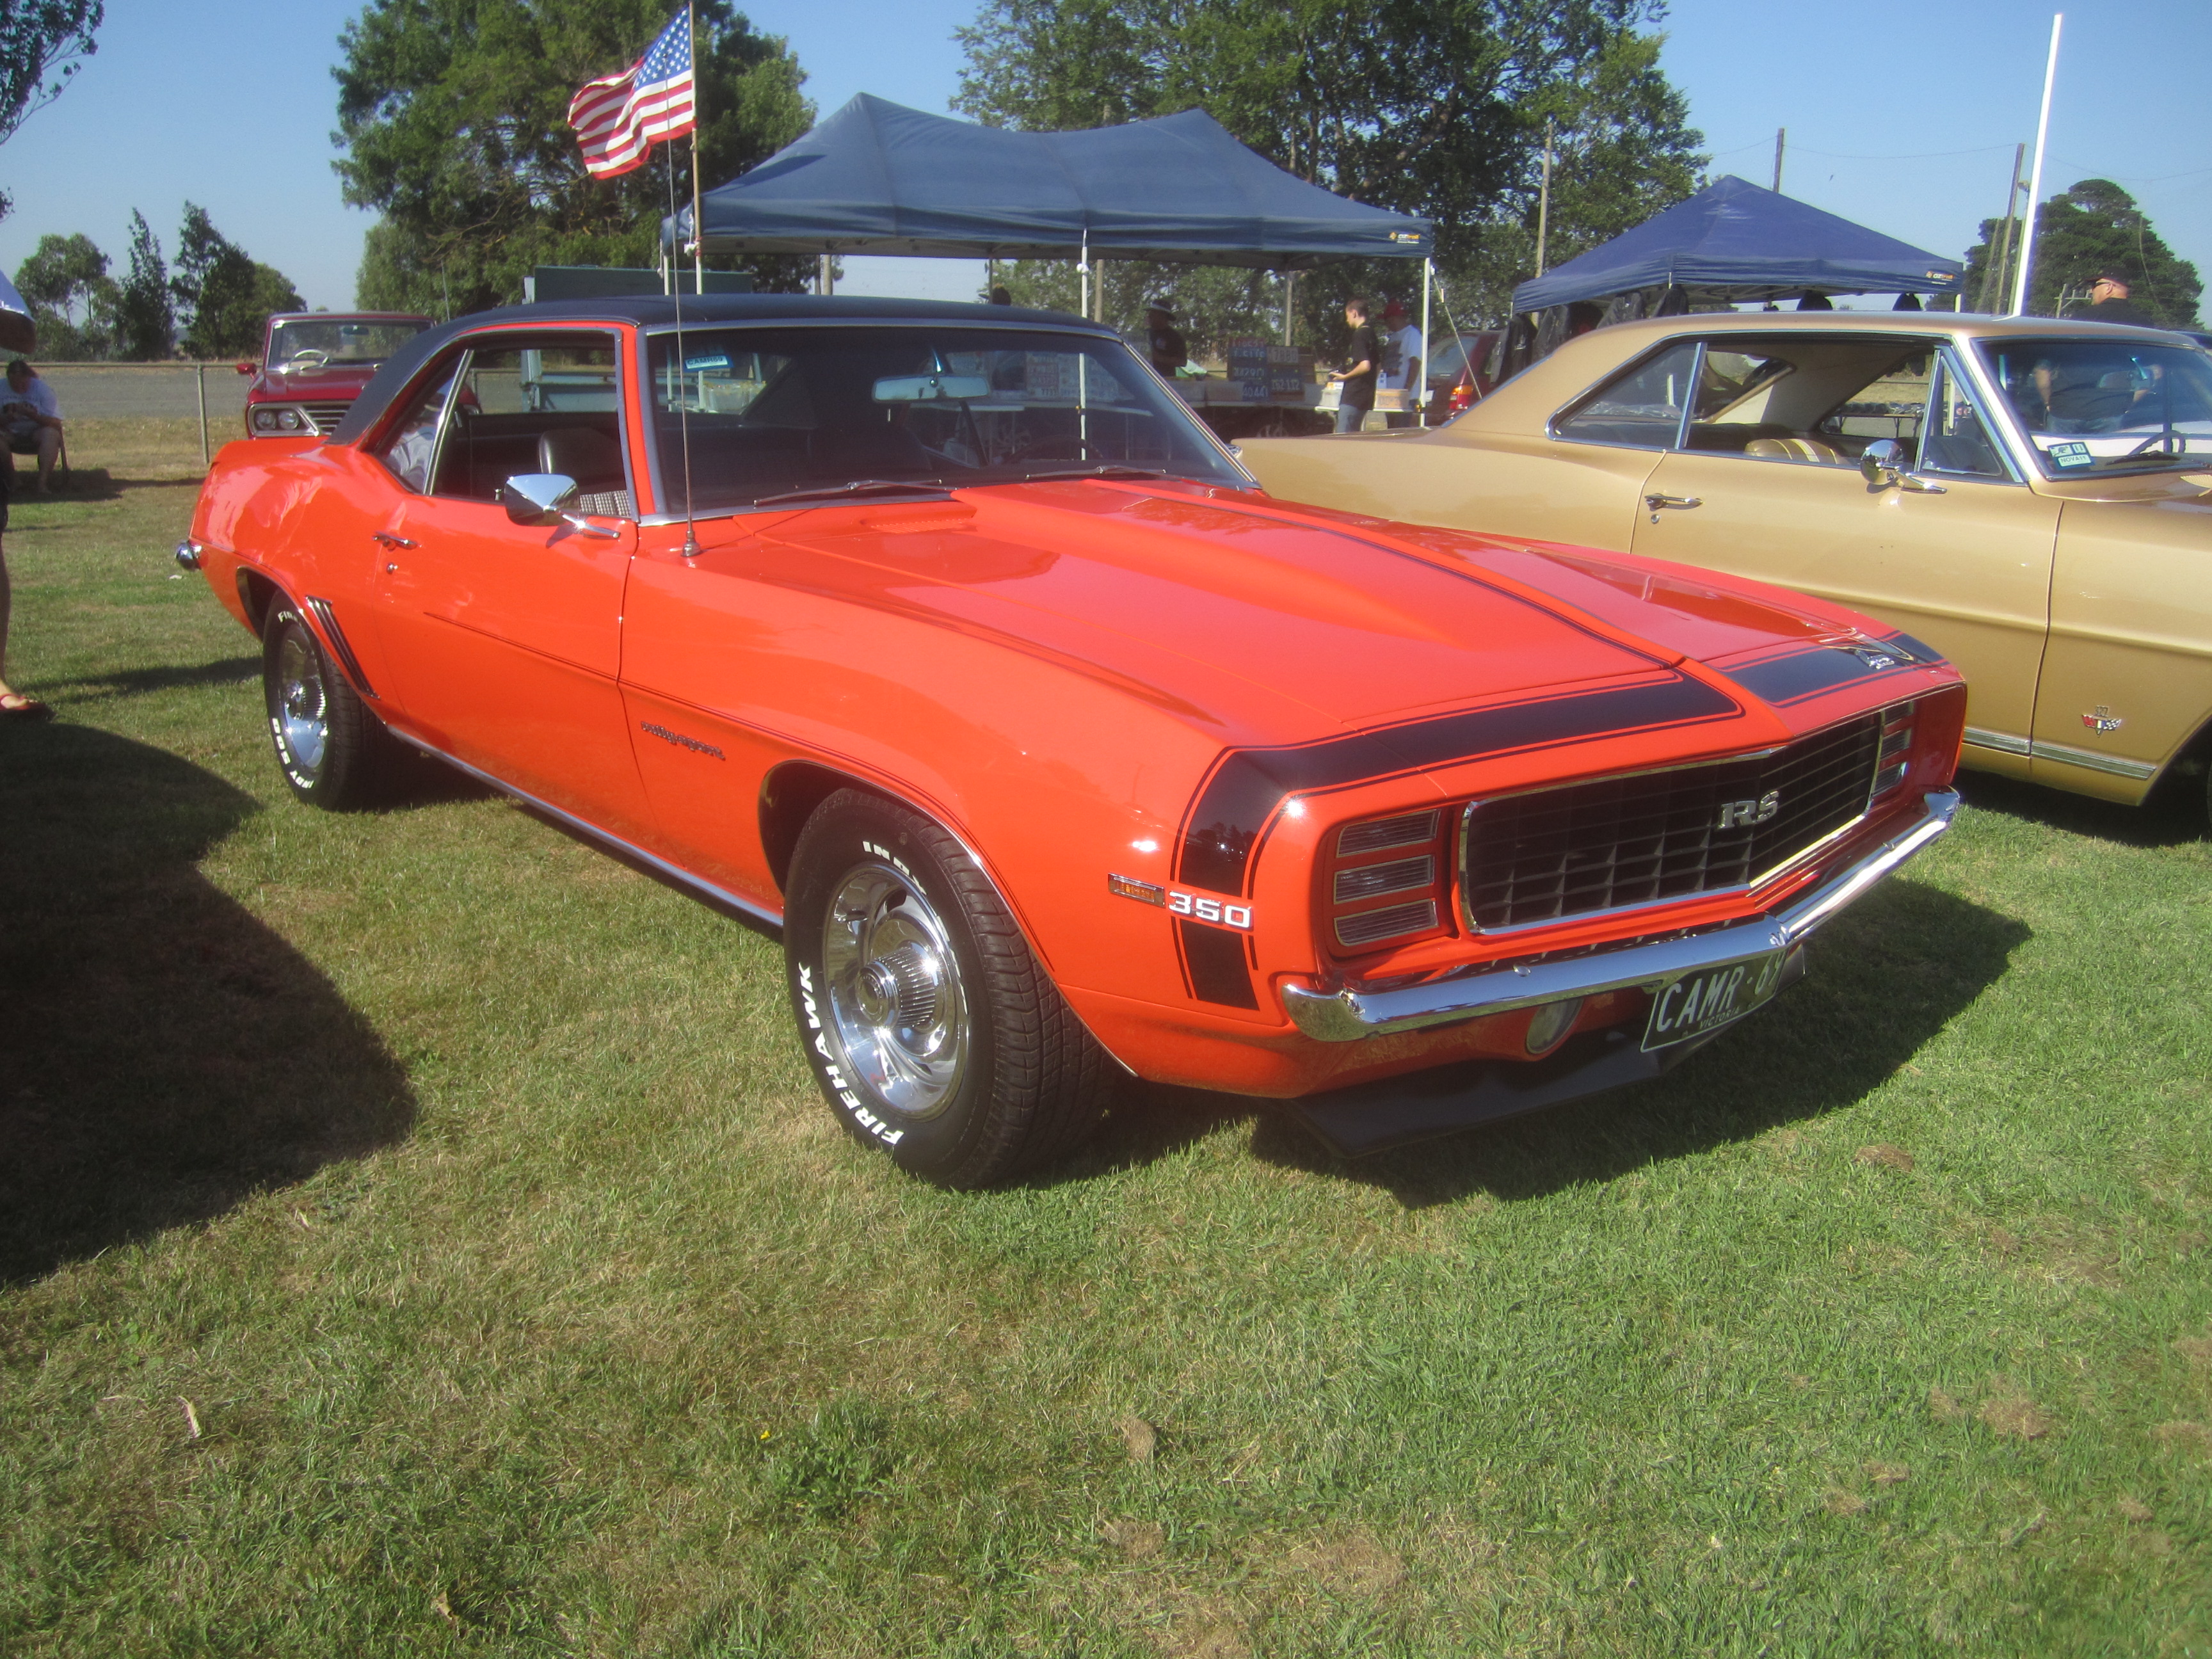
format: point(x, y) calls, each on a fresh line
point(943, 637)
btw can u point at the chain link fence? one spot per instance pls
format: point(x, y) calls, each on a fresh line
point(157, 420)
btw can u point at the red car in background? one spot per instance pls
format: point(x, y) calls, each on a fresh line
point(314, 364)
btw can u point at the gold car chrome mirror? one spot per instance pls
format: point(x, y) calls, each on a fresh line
point(1883, 464)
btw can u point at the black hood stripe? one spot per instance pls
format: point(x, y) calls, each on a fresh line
point(1236, 805)
point(1806, 674)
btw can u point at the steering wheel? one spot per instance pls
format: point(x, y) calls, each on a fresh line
point(308, 357)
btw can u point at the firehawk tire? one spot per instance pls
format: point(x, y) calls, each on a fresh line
point(934, 1033)
point(333, 753)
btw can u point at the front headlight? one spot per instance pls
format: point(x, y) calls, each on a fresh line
point(277, 421)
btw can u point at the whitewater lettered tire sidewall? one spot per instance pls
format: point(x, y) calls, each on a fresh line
point(933, 1033)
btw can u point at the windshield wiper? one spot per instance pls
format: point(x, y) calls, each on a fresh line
point(1108, 471)
point(858, 487)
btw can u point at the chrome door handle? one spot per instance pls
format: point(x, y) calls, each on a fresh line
point(391, 540)
point(1655, 502)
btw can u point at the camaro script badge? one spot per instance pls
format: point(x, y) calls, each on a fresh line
point(1741, 814)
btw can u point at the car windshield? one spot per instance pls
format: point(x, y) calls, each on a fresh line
point(317, 341)
point(2108, 406)
point(775, 411)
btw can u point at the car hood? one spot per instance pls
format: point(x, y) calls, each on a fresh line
point(320, 383)
point(1234, 607)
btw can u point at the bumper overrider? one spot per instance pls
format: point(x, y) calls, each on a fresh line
point(1350, 1013)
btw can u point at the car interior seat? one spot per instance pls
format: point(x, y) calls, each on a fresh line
point(1793, 449)
point(594, 460)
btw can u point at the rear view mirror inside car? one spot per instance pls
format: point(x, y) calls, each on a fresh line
point(930, 388)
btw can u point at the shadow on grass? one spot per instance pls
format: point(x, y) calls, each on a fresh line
point(140, 682)
point(1886, 978)
point(167, 1054)
point(89, 483)
point(2174, 816)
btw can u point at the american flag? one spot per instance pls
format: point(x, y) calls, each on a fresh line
point(618, 117)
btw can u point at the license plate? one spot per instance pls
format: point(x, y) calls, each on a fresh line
point(1710, 997)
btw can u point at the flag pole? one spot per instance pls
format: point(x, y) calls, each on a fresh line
point(698, 88)
point(2022, 277)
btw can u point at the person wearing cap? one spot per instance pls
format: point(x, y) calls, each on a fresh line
point(1169, 350)
point(2109, 301)
point(1402, 352)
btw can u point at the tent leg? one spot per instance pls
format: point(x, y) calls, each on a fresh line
point(1428, 345)
point(1289, 282)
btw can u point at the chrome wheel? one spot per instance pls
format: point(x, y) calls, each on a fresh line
point(303, 706)
point(897, 1007)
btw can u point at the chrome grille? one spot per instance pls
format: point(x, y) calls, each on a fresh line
point(1370, 925)
point(1554, 854)
point(1374, 880)
point(327, 416)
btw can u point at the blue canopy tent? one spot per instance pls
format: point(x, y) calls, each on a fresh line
point(1734, 241)
point(878, 178)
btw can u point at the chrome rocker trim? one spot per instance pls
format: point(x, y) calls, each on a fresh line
point(1349, 1014)
point(675, 873)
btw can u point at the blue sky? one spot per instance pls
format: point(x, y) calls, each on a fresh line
point(1903, 118)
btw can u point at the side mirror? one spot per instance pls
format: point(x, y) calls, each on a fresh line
point(248, 368)
point(543, 499)
point(1881, 461)
point(539, 498)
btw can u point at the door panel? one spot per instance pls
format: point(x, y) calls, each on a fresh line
point(1967, 571)
point(505, 641)
point(2127, 677)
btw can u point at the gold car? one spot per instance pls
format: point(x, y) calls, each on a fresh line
point(2032, 498)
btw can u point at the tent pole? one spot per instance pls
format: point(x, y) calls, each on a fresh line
point(2021, 277)
point(1428, 349)
point(1289, 277)
point(1083, 271)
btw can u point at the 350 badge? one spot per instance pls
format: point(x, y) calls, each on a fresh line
point(1197, 906)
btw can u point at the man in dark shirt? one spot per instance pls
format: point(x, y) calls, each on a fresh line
point(1357, 380)
point(2109, 302)
point(1169, 352)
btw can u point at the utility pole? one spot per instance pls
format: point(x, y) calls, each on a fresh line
point(1543, 203)
point(1780, 139)
point(1993, 277)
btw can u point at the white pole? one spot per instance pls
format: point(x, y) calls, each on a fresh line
point(1428, 346)
point(2035, 178)
point(1543, 204)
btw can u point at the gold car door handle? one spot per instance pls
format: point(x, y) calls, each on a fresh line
point(1655, 502)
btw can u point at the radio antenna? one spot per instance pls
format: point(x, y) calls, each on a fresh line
point(682, 406)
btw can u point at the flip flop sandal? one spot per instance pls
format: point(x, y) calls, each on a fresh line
point(16, 706)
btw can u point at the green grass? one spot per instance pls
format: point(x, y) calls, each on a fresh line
point(464, 1191)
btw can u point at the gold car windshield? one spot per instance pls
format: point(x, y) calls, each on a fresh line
point(2104, 405)
point(773, 413)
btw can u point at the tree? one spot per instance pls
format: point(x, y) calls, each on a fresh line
point(145, 322)
point(40, 39)
point(2094, 226)
point(1429, 107)
point(225, 297)
point(453, 117)
point(71, 296)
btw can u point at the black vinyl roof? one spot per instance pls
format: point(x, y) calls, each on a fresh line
point(656, 310)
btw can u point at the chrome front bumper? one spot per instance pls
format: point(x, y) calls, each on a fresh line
point(1346, 1014)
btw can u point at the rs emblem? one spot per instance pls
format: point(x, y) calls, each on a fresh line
point(1740, 814)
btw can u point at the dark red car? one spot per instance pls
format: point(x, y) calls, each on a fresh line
point(313, 364)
